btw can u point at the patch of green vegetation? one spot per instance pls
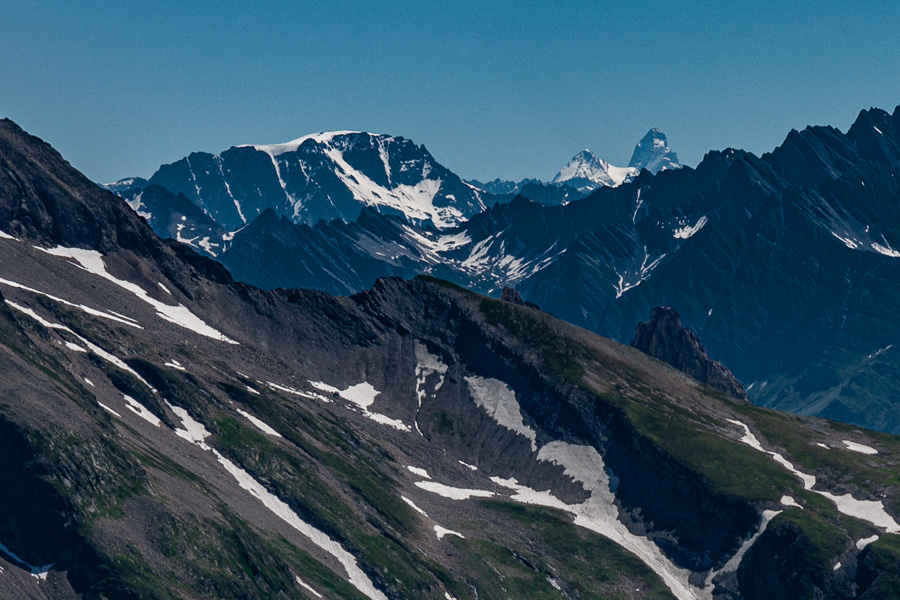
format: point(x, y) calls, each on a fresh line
point(820, 540)
point(560, 357)
point(790, 433)
point(400, 568)
point(594, 566)
point(376, 538)
point(207, 559)
point(91, 471)
point(885, 553)
point(131, 577)
point(499, 572)
point(295, 423)
point(728, 467)
point(359, 465)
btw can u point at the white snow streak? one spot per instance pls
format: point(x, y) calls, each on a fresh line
point(414, 507)
point(92, 347)
point(789, 501)
point(92, 262)
point(307, 587)
point(109, 410)
point(91, 311)
point(860, 544)
point(642, 273)
point(735, 561)
point(195, 432)
point(886, 250)
point(600, 514)
point(852, 244)
point(262, 426)
point(307, 395)
point(453, 493)
point(363, 395)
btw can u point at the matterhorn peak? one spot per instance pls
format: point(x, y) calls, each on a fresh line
point(653, 153)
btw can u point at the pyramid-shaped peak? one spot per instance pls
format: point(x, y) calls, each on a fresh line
point(586, 171)
point(652, 152)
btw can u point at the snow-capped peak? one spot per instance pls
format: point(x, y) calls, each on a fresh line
point(321, 137)
point(653, 153)
point(586, 171)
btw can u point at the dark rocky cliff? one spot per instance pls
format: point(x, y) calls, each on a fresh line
point(665, 338)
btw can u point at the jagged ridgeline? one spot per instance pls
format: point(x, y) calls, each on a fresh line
point(167, 432)
point(787, 264)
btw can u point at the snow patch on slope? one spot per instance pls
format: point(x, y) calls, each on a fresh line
point(631, 279)
point(142, 411)
point(866, 510)
point(500, 402)
point(92, 262)
point(442, 531)
point(454, 493)
point(363, 395)
point(861, 448)
point(688, 231)
point(261, 425)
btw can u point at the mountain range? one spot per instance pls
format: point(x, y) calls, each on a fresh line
point(169, 432)
point(586, 172)
point(785, 264)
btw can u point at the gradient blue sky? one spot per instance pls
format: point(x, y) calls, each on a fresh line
point(493, 89)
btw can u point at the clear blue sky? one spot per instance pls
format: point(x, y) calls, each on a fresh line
point(494, 89)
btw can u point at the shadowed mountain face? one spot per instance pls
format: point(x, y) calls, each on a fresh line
point(665, 338)
point(167, 432)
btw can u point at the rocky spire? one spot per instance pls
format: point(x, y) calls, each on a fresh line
point(665, 338)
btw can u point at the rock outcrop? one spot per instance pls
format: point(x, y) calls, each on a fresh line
point(511, 295)
point(665, 338)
